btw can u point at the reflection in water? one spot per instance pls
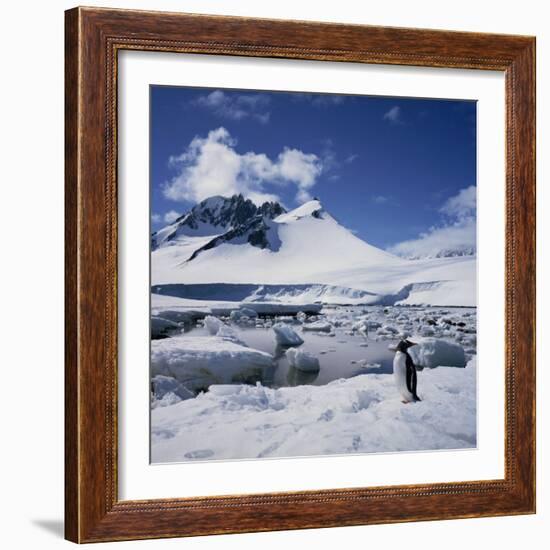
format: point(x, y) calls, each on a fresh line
point(297, 377)
point(341, 354)
point(279, 352)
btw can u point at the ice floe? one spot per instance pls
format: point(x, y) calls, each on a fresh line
point(433, 352)
point(286, 335)
point(198, 362)
point(302, 360)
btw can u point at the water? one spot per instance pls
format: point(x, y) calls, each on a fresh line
point(342, 354)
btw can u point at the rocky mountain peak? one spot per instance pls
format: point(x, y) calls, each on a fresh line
point(216, 215)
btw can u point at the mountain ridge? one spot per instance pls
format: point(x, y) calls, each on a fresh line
point(214, 216)
point(266, 245)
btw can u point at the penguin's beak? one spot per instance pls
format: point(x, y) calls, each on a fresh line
point(411, 344)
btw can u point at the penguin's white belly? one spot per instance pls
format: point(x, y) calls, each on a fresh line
point(400, 375)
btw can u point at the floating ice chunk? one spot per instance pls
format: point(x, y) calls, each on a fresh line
point(199, 361)
point(318, 326)
point(302, 360)
point(433, 352)
point(286, 336)
point(212, 324)
point(249, 312)
point(301, 316)
point(287, 319)
point(216, 327)
point(229, 334)
point(161, 328)
point(366, 365)
point(236, 316)
point(243, 316)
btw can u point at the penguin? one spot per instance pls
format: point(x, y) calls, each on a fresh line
point(404, 372)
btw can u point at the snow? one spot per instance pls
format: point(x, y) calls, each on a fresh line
point(433, 352)
point(322, 281)
point(161, 328)
point(301, 316)
point(353, 269)
point(212, 324)
point(318, 326)
point(306, 209)
point(166, 391)
point(312, 293)
point(186, 310)
point(248, 312)
point(363, 414)
point(302, 360)
point(179, 310)
point(286, 336)
point(215, 327)
point(199, 361)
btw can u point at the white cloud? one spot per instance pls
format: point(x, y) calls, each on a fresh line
point(380, 199)
point(461, 205)
point(393, 115)
point(456, 234)
point(236, 106)
point(171, 217)
point(156, 218)
point(211, 166)
point(459, 237)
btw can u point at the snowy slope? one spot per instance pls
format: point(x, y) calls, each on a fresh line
point(308, 246)
point(212, 217)
point(363, 414)
point(312, 242)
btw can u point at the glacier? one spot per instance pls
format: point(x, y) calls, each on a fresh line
point(299, 256)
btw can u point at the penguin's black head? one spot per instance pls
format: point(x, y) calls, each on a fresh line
point(404, 345)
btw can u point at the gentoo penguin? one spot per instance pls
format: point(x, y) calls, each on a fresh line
point(404, 372)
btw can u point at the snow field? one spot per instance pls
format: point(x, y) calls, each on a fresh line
point(363, 414)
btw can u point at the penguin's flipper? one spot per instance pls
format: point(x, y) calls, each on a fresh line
point(411, 378)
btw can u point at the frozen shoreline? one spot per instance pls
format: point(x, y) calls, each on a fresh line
point(363, 414)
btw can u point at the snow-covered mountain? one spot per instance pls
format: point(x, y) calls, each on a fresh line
point(451, 252)
point(215, 216)
point(231, 240)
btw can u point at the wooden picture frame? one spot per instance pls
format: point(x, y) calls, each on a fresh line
point(93, 511)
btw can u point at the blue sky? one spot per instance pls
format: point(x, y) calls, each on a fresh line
point(391, 169)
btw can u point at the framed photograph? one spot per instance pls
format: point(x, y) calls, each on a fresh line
point(300, 275)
